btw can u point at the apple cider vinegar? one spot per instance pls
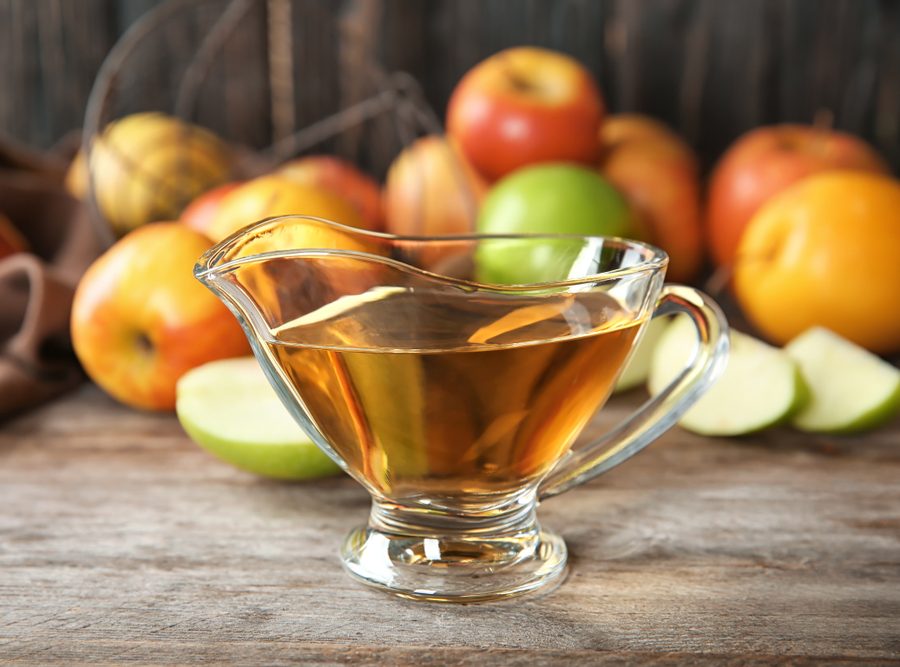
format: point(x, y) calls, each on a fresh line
point(454, 396)
point(451, 376)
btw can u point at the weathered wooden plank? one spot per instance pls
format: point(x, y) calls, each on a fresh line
point(120, 541)
point(711, 69)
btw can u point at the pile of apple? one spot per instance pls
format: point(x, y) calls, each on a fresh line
point(805, 219)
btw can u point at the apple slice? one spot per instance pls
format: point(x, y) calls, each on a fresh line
point(761, 385)
point(851, 389)
point(637, 370)
point(228, 408)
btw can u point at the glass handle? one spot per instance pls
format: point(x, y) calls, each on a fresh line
point(662, 411)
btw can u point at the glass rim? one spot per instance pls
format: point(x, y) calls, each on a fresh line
point(654, 259)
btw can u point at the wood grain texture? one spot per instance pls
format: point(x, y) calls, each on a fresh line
point(123, 543)
point(711, 69)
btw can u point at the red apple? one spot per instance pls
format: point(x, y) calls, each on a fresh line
point(11, 241)
point(201, 212)
point(659, 176)
point(140, 319)
point(764, 162)
point(525, 105)
point(343, 179)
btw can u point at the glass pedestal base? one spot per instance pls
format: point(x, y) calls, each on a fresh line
point(445, 557)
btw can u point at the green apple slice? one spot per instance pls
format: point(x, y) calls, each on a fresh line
point(761, 385)
point(637, 370)
point(851, 389)
point(228, 408)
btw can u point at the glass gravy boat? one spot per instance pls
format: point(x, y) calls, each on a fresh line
point(451, 376)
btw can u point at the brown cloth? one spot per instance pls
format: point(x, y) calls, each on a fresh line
point(36, 287)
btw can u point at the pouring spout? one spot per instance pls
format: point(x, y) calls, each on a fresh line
point(290, 233)
point(274, 268)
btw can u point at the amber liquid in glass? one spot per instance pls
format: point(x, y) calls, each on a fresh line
point(454, 396)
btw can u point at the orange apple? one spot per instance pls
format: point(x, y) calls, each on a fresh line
point(201, 212)
point(764, 162)
point(525, 105)
point(824, 252)
point(11, 240)
point(432, 191)
point(659, 176)
point(631, 127)
point(272, 195)
point(342, 178)
point(140, 320)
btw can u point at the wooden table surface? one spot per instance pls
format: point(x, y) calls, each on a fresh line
point(121, 542)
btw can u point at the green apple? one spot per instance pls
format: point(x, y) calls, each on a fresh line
point(228, 408)
point(637, 370)
point(851, 389)
point(761, 385)
point(546, 199)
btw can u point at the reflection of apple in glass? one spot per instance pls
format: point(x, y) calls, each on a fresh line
point(229, 408)
point(658, 174)
point(761, 385)
point(341, 178)
point(201, 212)
point(852, 389)
point(140, 320)
point(522, 106)
point(547, 199)
point(764, 162)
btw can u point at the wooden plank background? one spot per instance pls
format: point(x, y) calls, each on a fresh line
point(710, 68)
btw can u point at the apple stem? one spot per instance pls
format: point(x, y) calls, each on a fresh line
point(519, 83)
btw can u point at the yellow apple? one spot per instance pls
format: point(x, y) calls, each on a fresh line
point(824, 253)
point(201, 212)
point(77, 179)
point(272, 195)
point(343, 179)
point(149, 166)
point(140, 320)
